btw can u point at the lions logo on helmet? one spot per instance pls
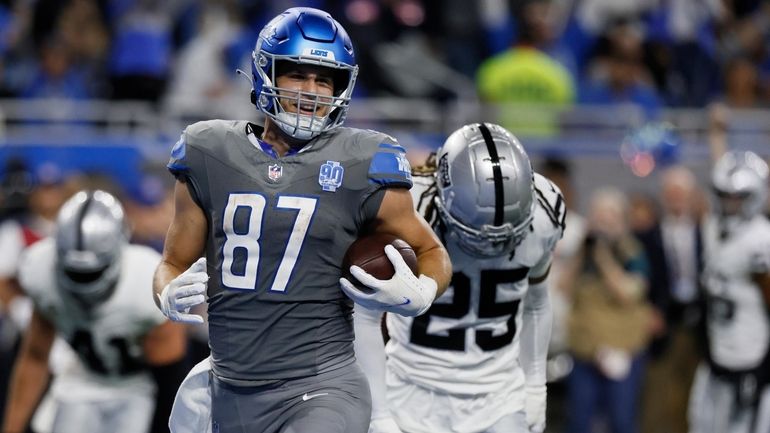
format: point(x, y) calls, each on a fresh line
point(304, 36)
point(90, 236)
point(485, 189)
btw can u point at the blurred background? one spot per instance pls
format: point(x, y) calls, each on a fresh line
point(106, 86)
point(600, 92)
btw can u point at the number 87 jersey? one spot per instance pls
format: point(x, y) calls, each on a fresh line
point(278, 228)
point(468, 342)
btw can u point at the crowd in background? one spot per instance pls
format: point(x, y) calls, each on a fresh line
point(654, 53)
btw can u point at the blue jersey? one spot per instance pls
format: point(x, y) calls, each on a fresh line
point(278, 229)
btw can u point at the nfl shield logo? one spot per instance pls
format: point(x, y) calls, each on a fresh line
point(274, 172)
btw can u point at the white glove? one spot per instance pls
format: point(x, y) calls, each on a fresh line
point(534, 406)
point(185, 291)
point(384, 425)
point(403, 294)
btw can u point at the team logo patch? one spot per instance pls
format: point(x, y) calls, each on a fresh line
point(330, 176)
point(317, 52)
point(274, 172)
point(403, 165)
point(443, 171)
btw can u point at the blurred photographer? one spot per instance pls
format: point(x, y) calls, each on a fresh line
point(609, 325)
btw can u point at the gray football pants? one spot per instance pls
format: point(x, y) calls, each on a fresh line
point(338, 401)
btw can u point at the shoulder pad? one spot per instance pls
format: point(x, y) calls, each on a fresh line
point(36, 265)
point(551, 200)
point(193, 135)
point(177, 164)
point(423, 192)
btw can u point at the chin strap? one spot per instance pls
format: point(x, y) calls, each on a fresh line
point(251, 82)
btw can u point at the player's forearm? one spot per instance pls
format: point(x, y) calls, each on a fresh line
point(536, 333)
point(28, 382)
point(717, 131)
point(435, 263)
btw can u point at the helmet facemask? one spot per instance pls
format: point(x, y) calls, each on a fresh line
point(489, 240)
point(739, 186)
point(271, 99)
point(90, 237)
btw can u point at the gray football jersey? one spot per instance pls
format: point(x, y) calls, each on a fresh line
point(278, 231)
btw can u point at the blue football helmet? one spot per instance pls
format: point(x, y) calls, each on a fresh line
point(304, 36)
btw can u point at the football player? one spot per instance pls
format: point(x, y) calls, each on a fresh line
point(89, 286)
point(272, 210)
point(731, 392)
point(475, 361)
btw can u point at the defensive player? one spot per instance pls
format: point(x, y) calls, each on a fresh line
point(273, 209)
point(89, 286)
point(731, 392)
point(475, 362)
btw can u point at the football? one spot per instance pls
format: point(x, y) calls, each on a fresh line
point(368, 253)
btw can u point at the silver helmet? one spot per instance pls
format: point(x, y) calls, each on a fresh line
point(90, 236)
point(485, 189)
point(739, 184)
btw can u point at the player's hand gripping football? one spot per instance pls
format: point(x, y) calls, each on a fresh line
point(534, 406)
point(185, 291)
point(403, 294)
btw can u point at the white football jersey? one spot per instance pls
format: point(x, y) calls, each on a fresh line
point(737, 321)
point(468, 342)
point(108, 337)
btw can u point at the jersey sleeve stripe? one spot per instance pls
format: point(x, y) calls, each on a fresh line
point(549, 210)
point(389, 166)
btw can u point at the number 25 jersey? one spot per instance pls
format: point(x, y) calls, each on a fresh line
point(278, 228)
point(468, 341)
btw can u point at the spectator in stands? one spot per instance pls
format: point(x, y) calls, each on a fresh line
point(618, 75)
point(609, 321)
point(674, 249)
point(526, 79)
point(202, 80)
point(741, 84)
point(681, 50)
point(643, 212)
point(142, 48)
point(57, 75)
